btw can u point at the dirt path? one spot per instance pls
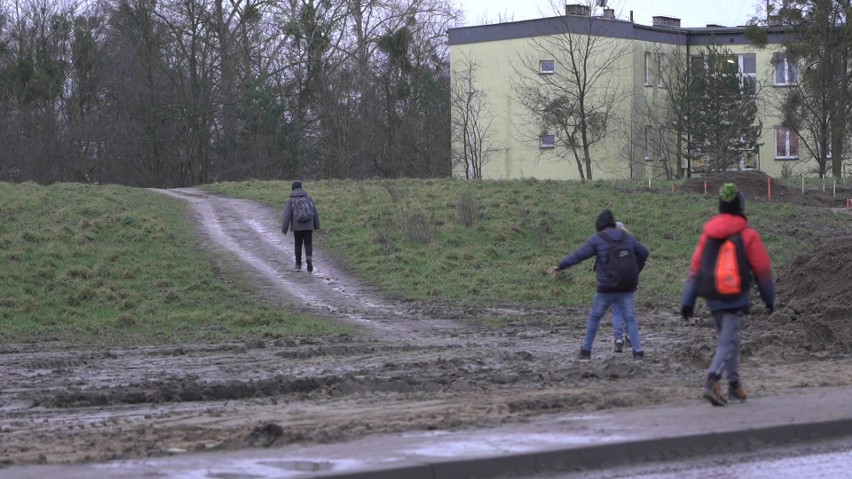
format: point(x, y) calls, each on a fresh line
point(252, 233)
point(413, 366)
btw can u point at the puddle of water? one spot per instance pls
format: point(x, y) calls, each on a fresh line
point(495, 444)
point(261, 468)
point(305, 466)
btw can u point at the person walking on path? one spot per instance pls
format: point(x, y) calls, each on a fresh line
point(617, 278)
point(300, 215)
point(728, 310)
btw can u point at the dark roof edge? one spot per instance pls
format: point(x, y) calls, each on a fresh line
point(621, 29)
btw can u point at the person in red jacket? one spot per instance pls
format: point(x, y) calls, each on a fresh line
point(728, 313)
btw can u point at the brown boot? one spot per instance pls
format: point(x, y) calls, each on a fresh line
point(713, 394)
point(736, 393)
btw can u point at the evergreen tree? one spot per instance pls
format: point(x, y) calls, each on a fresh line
point(723, 121)
point(817, 104)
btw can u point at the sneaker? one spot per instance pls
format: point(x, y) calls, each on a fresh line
point(639, 355)
point(585, 355)
point(619, 345)
point(310, 265)
point(298, 267)
point(713, 394)
point(737, 393)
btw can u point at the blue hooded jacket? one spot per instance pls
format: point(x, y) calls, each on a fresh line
point(598, 247)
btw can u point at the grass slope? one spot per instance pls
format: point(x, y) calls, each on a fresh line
point(118, 265)
point(122, 265)
point(491, 241)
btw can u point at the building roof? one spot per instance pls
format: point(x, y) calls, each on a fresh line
point(613, 28)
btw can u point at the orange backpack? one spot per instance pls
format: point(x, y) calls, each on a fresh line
point(724, 273)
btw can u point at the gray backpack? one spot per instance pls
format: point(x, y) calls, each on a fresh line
point(303, 209)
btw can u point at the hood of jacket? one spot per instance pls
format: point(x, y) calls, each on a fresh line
point(298, 192)
point(724, 225)
point(605, 220)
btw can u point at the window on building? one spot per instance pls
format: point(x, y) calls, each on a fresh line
point(786, 144)
point(546, 66)
point(547, 141)
point(786, 70)
point(649, 68)
point(744, 66)
point(728, 65)
point(661, 64)
point(647, 142)
point(696, 64)
point(748, 72)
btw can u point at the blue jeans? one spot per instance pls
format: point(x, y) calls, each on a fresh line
point(617, 325)
point(622, 305)
point(726, 360)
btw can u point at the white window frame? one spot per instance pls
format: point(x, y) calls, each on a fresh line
point(790, 72)
point(789, 138)
point(547, 67)
point(751, 76)
point(660, 58)
point(547, 141)
point(649, 68)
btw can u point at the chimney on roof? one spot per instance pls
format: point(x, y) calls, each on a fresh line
point(660, 21)
point(578, 9)
point(609, 13)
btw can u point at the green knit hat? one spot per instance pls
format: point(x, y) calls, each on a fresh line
point(731, 200)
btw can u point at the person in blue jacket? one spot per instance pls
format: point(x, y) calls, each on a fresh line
point(620, 298)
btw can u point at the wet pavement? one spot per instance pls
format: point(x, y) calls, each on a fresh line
point(565, 442)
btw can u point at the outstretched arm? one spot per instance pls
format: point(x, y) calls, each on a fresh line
point(580, 254)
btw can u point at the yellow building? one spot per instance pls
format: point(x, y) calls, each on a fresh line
point(508, 77)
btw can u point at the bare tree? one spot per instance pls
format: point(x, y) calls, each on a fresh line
point(816, 101)
point(571, 84)
point(660, 117)
point(471, 120)
point(177, 92)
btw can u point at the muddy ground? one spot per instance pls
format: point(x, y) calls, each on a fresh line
point(411, 366)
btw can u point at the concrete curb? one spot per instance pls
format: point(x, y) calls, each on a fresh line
point(566, 443)
point(608, 455)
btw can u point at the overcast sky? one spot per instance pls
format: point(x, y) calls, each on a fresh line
point(693, 13)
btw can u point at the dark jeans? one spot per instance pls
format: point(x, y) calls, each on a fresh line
point(306, 238)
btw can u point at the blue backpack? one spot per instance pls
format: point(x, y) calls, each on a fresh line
point(622, 269)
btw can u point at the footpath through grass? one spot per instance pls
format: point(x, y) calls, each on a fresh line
point(491, 241)
point(118, 266)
